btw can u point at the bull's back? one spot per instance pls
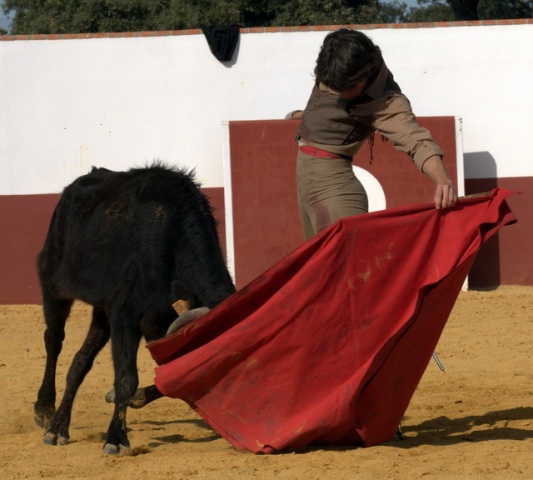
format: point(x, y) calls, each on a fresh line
point(111, 227)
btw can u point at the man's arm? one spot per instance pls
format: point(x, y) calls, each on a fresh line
point(398, 123)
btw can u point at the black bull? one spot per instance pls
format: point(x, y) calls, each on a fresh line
point(130, 244)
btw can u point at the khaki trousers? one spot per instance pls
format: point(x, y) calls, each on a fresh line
point(327, 191)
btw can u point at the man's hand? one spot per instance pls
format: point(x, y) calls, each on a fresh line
point(445, 195)
point(445, 191)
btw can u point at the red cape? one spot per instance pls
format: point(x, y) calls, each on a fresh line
point(328, 346)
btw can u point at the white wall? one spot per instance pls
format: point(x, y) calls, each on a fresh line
point(66, 105)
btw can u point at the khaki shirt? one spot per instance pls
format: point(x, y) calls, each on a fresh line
point(341, 126)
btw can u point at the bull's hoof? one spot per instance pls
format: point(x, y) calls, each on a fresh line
point(110, 396)
point(54, 439)
point(43, 416)
point(41, 420)
point(111, 449)
point(138, 400)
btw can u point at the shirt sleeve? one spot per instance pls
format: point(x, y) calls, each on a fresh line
point(397, 122)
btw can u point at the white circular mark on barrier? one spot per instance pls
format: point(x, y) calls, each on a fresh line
point(374, 190)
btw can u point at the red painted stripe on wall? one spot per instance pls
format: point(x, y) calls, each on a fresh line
point(507, 258)
point(25, 220)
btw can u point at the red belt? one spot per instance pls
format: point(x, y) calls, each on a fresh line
point(316, 152)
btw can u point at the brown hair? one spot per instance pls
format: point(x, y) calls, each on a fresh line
point(346, 57)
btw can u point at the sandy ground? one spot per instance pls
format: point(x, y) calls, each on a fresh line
point(474, 421)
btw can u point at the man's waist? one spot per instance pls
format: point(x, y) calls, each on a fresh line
point(319, 153)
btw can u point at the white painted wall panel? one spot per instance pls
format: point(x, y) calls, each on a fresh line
point(120, 102)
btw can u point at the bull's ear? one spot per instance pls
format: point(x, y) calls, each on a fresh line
point(222, 40)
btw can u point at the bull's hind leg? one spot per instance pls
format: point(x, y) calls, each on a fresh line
point(55, 313)
point(97, 337)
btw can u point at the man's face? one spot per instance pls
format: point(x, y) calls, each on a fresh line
point(355, 91)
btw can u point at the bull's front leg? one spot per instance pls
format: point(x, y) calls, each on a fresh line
point(117, 439)
point(145, 395)
point(125, 344)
